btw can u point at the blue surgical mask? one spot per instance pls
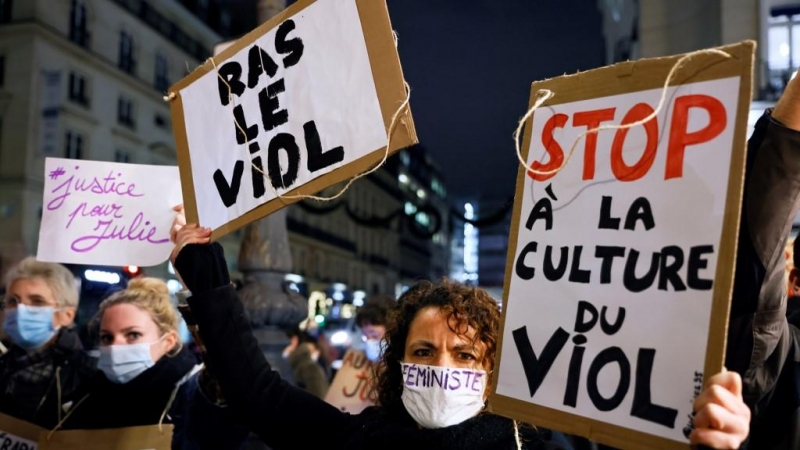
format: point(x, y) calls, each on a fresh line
point(30, 327)
point(123, 363)
point(184, 333)
point(374, 350)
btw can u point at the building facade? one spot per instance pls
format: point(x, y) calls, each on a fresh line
point(85, 79)
point(387, 231)
point(655, 28)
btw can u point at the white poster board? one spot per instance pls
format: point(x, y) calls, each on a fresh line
point(104, 213)
point(288, 104)
point(619, 262)
point(351, 386)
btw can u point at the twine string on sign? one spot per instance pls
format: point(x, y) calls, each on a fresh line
point(397, 118)
point(517, 440)
point(545, 94)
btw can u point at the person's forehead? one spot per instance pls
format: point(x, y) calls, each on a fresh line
point(125, 315)
point(431, 323)
point(31, 286)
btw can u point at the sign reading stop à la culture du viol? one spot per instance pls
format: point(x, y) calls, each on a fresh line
point(620, 265)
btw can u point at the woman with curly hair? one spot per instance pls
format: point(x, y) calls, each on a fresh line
point(432, 382)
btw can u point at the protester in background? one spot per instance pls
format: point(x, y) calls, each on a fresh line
point(147, 376)
point(788, 255)
point(763, 337)
point(433, 328)
point(371, 319)
point(303, 354)
point(792, 272)
point(44, 364)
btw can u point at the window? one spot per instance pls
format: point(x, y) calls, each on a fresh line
point(161, 121)
point(126, 61)
point(125, 112)
point(77, 89)
point(78, 32)
point(122, 156)
point(783, 50)
point(74, 147)
point(5, 11)
point(162, 70)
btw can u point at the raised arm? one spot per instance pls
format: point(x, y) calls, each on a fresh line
point(759, 338)
point(256, 394)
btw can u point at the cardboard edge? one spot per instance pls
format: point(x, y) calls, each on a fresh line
point(613, 435)
point(691, 71)
point(387, 72)
point(240, 44)
point(116, 437)
point(20, 428)
point(724, 276)
point(513, 236)
point(184, 160)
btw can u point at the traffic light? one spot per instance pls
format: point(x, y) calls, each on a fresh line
point(133, 271)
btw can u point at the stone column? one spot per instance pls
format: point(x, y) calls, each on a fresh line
point(264, 260)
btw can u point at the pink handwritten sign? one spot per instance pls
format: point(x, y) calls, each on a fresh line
point(107, 213)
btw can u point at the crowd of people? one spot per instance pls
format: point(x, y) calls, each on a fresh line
point(145, 375)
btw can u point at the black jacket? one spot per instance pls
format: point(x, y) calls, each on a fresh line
point(169, 388)
point(762, 345)
point(28, 388)
point(275, 410)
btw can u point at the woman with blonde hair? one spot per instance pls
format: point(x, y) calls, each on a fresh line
point(147, 376)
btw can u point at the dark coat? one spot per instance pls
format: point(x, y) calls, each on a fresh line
point(143, 400)
point(28, 388)
point(763, 346)
point(275, 410)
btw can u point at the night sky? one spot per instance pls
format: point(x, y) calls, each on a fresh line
point(470, 64)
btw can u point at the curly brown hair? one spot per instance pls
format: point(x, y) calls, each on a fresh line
point(464, 306)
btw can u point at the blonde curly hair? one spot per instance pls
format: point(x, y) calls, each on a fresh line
point(150, 295)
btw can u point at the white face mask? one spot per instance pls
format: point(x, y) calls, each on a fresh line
point(123, 363)
point(438, 397)
point(373, 350)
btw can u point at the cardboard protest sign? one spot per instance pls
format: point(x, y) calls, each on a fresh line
point(150, 437)
point(299, 104)
point(620, 266)
point(350, 388)
point(107, 213)
point(17, 434)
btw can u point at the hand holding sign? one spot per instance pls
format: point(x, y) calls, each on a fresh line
point(722, 419)
point(182, 234)
point(107, 213)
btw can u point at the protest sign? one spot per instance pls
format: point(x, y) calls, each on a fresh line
point(299, 104)
point(350, 388)
point(148, 437)
point(620, 266)
point(104, 213)
point(17, 434)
